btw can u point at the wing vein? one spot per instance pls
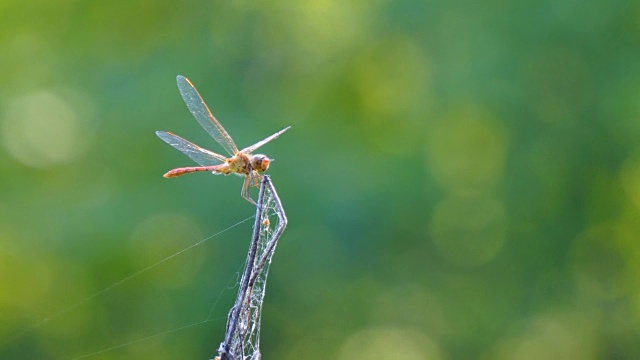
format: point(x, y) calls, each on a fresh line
point(200, 155)
point(201, 112)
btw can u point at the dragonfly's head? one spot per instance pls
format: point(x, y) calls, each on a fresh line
point(260, 162)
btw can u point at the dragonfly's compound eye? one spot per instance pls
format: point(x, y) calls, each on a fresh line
point(261, 162)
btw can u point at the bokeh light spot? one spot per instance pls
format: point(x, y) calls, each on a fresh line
point(564, 336)
point(323, 28)
point(20, 300)
point(601, 263)
point(410, 304)
point(469, 230)
point(13, 292)
point(393, 78)
point(630, 177)
point(389, 343)
point(467, 149)
point(43, 129)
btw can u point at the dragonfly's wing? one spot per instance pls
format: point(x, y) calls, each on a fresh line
point(202, 156)
point(254, 147)
point(201, 112)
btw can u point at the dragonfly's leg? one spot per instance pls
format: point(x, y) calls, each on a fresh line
point(245, 189)
point(257, 179)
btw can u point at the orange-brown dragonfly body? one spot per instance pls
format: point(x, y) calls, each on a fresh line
point(242, 162)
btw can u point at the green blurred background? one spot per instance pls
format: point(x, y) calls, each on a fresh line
point(462, 179)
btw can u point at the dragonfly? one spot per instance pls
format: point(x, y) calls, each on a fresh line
point(240, 162)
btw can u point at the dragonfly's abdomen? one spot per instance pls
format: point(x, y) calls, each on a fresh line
point(217, 169)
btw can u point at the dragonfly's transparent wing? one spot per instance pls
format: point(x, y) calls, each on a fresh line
point(201, 112)
point(202, 156)
point(254, 147)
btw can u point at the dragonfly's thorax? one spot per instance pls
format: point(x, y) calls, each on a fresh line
point(240, 163)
